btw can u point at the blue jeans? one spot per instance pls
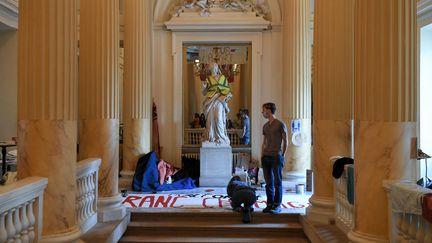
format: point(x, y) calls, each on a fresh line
point(272, 168)
point(245, 140)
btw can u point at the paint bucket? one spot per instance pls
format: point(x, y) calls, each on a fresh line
point(300, 189)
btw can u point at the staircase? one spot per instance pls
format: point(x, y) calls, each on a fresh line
point(212, 226)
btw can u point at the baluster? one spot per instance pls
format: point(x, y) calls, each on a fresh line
point(18, 225)
point(25, 224)
point(398, 217)
point(3, 232)
point(79, 200)
point(346, 220)
point(78, 195)
point(421, 230)
point(85, 198)
point(405, 226)
point(94, 191)
point(348, 214)
point(89, 196)
point(413, 227)
point(32, 220)
point(349, 217)
point(428, 229)
point(10, 228)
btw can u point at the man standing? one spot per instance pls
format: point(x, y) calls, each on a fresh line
point(245, 139)
point(273, 151)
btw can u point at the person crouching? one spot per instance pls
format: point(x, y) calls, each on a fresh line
point(242, 197)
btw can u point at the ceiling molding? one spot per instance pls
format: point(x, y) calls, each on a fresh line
point(217, 19)
point(424, 10)
point(9, 14)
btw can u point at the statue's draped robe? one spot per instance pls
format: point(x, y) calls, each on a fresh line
point(215, 107)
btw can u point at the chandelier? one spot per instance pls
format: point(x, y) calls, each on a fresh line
point(223, 56)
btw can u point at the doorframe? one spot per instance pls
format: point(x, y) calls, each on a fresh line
point(424, 17)
point(181, 38)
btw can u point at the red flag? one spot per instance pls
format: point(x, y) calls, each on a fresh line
point(156, 144)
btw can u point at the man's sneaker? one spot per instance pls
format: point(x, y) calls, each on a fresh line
point(267, 209)
point(275, 210)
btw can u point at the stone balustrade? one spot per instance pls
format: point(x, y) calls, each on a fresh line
point(21, 210)
point(87, 193)
point(406, 223)
point(344, 211)
point(236, 157)
point(193, 136)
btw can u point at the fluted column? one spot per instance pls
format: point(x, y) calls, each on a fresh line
point(137, 102)
point(99, 98)
point(333, 77)
point(385, 108)
point(47, 109)
point(297, 84)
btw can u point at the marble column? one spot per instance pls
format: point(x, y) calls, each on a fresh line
point(297, 85)
point(99, 99)
point(47, 109)
point(333, 77)
point(385, 108)
point(137, 101)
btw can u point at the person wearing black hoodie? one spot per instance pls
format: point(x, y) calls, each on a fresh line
point(242, 197)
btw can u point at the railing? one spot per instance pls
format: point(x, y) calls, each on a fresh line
point(191, 155)
point(21, 210)
point(237, 157)
point(193, 136)
point(405, 220)
point(344, 215)
point(86, 193)
point(233, 135)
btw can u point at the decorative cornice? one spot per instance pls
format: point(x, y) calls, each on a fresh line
point(424, 9)
point(9, 14)
point(206, 7)
point(218, 15)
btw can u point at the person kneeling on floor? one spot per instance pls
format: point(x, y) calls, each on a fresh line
point(242, 197)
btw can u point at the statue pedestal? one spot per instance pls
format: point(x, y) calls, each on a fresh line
point(215, 165)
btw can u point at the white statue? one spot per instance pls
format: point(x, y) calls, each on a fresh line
point(215, 106)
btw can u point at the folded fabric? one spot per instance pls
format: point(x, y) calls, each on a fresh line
point(146, 178)
point(165, 170)
point(350, 184)
point(141, 170)
point(427, 207)
point(186, 183)
point(406, 197)
point(339, 166)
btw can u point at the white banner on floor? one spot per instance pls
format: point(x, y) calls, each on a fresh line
point(203, 201)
